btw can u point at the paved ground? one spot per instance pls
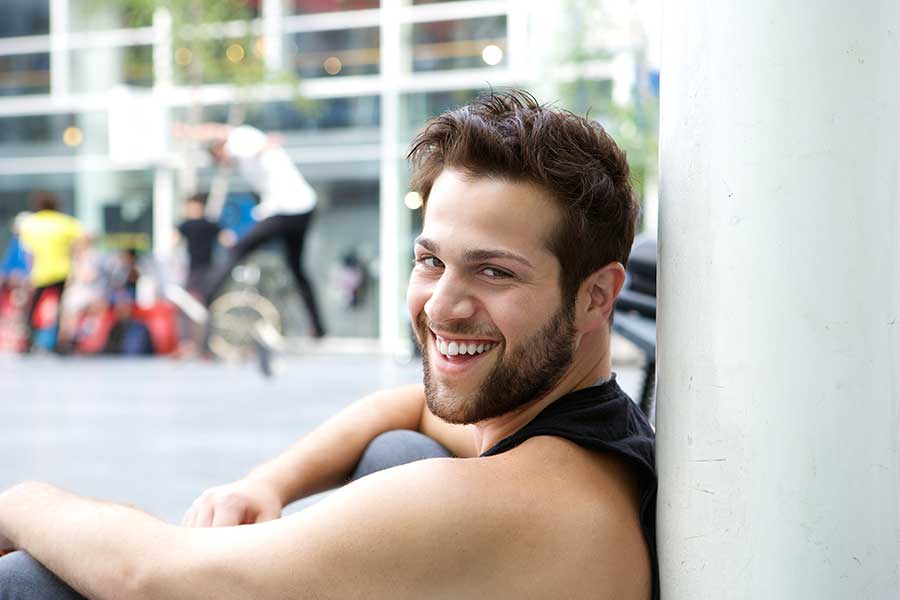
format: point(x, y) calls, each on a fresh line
point(155, 432)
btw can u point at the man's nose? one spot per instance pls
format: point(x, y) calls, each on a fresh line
point(450, 299)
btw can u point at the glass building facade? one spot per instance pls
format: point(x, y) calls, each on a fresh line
point(86, 102)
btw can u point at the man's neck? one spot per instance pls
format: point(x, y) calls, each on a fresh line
point(592, 363)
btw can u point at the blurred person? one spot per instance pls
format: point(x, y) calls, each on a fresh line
point(200, 236)
point(129, 334)
point(52, 239)
point(14, 290)
point(14, 266)
point(85, 300)
point(349, 279)
point(124, 276)
point(286, 205)
point(517, 269)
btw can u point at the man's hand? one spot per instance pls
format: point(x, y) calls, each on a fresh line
point(242, 502)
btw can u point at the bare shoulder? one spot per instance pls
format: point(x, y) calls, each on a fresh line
point(547, 519)
point(582, 505)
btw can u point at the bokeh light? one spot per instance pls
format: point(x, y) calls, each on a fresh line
point(183, 56)
point(235, 53)
point(72, 136)
point(492, 54)
point(333, 65)
point(412, 200)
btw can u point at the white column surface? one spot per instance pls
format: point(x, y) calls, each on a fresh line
point(390, 298)
point(779, 320)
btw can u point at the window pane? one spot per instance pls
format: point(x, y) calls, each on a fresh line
point(53, 135)
point(360, 116)
point(336, 53)
point(97, 16)
point(100, 69)
point(419, 107)
point(226, 60)
point(342, 251)
point(466, 44)
point(334, 113)
point(303, 7)
point(126, 214)
point(24, 17)
point(24, 74)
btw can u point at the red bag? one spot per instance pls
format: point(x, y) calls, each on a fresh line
point(161, 318)
point(47, 309)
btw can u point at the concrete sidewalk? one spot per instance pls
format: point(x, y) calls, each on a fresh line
point(155, 433)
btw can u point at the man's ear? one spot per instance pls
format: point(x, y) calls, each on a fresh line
point(597, 296)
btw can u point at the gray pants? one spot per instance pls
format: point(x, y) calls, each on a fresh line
point(23, 578)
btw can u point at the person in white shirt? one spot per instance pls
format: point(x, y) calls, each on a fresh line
point(286, 204)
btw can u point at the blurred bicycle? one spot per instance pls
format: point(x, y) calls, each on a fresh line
point(243, 318)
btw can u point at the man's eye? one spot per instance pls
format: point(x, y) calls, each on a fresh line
point(495, 273)
point(431, 262)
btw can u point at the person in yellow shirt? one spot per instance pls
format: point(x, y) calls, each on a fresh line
point(51, 238)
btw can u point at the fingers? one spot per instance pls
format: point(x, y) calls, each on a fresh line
point(215, 509)
point(268, 514)
point(199, 515)
point(228, 513)
point(234, 504)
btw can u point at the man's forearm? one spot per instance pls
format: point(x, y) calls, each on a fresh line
point(325, 458)
point(102, 550)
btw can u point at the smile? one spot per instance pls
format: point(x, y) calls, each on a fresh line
point(462, 347)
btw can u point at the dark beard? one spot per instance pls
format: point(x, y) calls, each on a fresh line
point(526, 375)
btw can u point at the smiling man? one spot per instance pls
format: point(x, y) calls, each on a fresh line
point(540, 481)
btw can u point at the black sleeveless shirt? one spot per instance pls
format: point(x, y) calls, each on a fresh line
point(603, 418)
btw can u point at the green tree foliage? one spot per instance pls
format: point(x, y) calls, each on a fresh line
point(634, 125)
point(212, 40)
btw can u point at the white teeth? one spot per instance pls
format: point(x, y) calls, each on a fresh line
point(459, 348)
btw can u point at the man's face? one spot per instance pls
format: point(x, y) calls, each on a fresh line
point(485, 298)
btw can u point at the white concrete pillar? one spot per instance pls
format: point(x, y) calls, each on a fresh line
point(390, 297)
point(779, 321)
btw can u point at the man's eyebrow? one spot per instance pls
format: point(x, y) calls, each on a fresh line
point(477, 255)
point(426, 243)
point(489, 254)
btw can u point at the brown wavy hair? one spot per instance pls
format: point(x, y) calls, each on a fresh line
point(509, 135)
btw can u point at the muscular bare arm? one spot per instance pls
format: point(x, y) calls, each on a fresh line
point(441, 528)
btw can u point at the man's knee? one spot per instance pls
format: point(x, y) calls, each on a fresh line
point(398, 447)
point(24, 578)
